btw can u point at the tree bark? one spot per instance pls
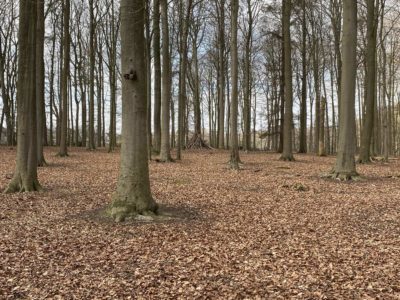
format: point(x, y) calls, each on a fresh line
point(157, 76)
point(25, 176)
point(165, 152)
point(235, 159)
point(345, 168)
point(64, 84)
point(133, 195)
point(287, 153)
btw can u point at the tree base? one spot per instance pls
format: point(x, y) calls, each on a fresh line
point(59, 154)
point(364, 160)
point(344, 176)
point(42, 163)
point(121, 211)
point(287, 158)
point(165, 160)
point(196, 142)
point(18, 185)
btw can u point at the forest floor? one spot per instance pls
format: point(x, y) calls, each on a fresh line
point(273, 230)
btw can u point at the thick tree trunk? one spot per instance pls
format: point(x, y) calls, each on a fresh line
point(287, 153)
point(133, 195)
point(345, 168)
point(25, 176)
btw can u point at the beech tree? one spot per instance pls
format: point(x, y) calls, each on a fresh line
point(345, 168)
point(235, 159)
point(133, 195)
point(165, 152)
point(25, 176)
point(287, 153)
point(65, 74)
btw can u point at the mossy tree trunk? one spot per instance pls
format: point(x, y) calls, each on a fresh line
point(25, 176)
point(133, 195)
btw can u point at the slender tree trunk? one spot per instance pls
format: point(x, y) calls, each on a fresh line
point(165, 152)
point(321, 142)
point(64, 84)
point(40, 77)
point(92, 62)
point(235, 159)
point(303, 106)
point(185, 14)
point(370, 80)
point(221, 73)
point(157, 76)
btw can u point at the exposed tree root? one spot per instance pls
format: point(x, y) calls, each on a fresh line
point(18, 185)
point(343, 176)
point(196, 142)
point(143, 210)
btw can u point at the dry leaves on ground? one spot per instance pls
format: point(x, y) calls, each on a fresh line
point(273, 230)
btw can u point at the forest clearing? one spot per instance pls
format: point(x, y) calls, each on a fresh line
point(274, 230)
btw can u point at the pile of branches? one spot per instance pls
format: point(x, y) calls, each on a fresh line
point(196, 142)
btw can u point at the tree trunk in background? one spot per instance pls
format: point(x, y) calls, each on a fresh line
point(287, 153)
point(370, 82)
point(133, 195)
point(40, 77)
point(92, 145)
point(25, 176)
point(157, 76)
point(303, 105)
point(5, 97)
point(185, 14)
point(149, 76)
point(64, 80)
point(321, 142)
point(247, 81)
point(221, 73)
point(235, 159)
point(99, 91)
point(345, 168)
point(165, 152)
